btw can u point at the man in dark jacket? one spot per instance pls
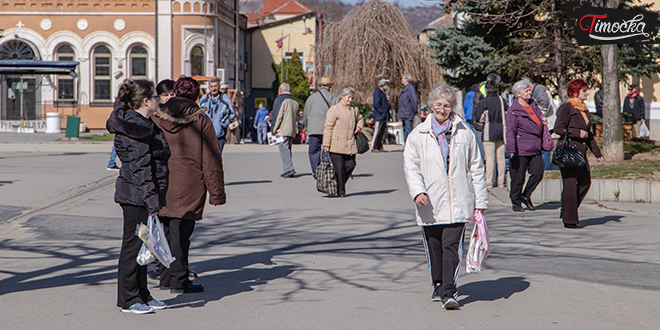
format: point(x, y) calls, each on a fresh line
point(381, 114)
point(493, 132)
point(598, 102)
point(407, 105)
point(316, 107)
point(634, 103)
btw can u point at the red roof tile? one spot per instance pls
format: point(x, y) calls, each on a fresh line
point(281, 7)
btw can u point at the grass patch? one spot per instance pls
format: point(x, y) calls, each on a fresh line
point(628, 170)
point(104, 137)
point(633, 147)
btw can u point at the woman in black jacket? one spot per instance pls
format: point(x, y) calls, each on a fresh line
point(141, 186)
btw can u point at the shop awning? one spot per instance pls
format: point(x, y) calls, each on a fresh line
point(38, 67)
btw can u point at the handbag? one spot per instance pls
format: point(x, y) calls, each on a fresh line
point(234, 124)
point(566, 154)
point(326, 181)
point(362, 143)
point(547, 144)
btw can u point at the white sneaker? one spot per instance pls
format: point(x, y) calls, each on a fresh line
point(138, 308)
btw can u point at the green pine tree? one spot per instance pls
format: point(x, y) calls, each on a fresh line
point(291, 71)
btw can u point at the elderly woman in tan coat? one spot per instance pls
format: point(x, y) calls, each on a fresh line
point(342, 122)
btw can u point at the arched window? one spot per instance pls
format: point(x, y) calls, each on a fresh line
point(102, 80)
point(16, 50)
point(65, 85)
point(138, 62)
point(197, 61)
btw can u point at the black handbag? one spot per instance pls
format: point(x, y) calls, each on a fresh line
point(362, 143)
point(566, 154)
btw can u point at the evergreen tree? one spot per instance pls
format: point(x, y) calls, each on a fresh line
point(291, 71)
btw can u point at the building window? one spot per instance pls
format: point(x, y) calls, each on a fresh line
point(65, 86)
point(138, 62)
point(287, 55)
point(197, 61)
point(102, 80)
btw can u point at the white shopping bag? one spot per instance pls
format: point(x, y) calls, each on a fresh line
point(478, 249)
point(275, 139)
point(154, 239)
point(644, 130)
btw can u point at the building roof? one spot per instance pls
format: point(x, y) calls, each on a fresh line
point(258, 10)
point(443, 21)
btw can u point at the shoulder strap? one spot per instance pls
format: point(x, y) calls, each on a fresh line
point(326, 101)
point(503, 119)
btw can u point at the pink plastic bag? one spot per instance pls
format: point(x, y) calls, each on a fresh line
point(478, 249)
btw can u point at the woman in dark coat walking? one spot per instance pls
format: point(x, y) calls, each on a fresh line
point(195, 168)
point(524, 133)
point(574, 119)
point(141, 185)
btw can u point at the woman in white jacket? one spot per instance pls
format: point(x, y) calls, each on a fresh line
point(445, 174)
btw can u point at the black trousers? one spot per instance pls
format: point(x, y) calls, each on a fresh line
point(344, 166)
point(577, 182)
point(131, 277)
point(315, 143)
point(178, 233)
point(444, 250)
point(518, 166)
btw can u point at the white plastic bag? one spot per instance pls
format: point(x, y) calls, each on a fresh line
point(478, 249)
point(277, 138)
point(145, 256)
point(644, 130)
point(154, 239)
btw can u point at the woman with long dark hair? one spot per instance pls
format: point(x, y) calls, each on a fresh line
point(141, 185)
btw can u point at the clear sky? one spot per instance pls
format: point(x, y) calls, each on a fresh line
point(402, 3)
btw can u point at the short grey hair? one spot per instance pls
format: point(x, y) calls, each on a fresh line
point(408, 76)
point(214, 80)
point(285, 87)
point(445, 92)
point(348, 91)
point(520, 85)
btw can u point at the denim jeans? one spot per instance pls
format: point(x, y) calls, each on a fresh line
point(262, 131)
point(113, 157)
point(407, 128)
point(314, 152)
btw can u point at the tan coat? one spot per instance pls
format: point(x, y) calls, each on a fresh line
point(287, 118)
point(340, 123)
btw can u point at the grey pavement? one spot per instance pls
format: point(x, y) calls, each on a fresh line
point(280, 255)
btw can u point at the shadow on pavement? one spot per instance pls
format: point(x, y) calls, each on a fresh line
point(492, 290)
point(362, 175)
point(236, 183)
point(549, 206)
point(373, 192)
point(600, 221)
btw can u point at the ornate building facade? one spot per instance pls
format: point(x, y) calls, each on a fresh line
point(112, 40)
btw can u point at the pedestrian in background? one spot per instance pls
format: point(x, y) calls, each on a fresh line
point(342, 122)
point(574, 119)
point(524, 137)
point(195, 168)
point(165, 90)
point(493, 131)
point(219, 109)
point(316, 108)
point(445, 176)
point(381, 110)
point(141, 186)
point(285, 122)
point(260, 123)
point(407, 105)
point(634, 103)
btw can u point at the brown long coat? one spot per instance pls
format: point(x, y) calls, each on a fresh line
point(195, 164)
point(340, 122)
point(571, 120)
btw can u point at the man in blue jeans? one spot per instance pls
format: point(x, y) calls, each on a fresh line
point(407, 105)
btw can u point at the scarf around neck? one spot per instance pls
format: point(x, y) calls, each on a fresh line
point(441, 131)
point(578, 104)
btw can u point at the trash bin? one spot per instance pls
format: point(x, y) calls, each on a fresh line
point(53, 122)
point(72, 126)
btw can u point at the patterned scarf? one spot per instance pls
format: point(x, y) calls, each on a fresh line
point(441, 132)
point(578, 104)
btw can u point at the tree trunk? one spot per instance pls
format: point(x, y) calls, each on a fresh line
point(612, 129)
point(560, 68)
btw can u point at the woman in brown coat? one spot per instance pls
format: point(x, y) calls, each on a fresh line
point(574, 119)
point(195, 167)
point(342, 122)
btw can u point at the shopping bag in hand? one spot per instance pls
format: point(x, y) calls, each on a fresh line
point(277, 138)
point(154, 239)
point(478, 249)
point(326, 181)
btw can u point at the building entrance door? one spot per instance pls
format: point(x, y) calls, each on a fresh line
point(20, 95)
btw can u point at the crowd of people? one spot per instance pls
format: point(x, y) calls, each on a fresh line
point(170, 143)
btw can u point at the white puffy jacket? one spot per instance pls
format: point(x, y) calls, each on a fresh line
point(425, 170)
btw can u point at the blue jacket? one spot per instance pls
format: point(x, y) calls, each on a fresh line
point(220, 110)
point(381, 108)
point(407, 103)
point(260, 117)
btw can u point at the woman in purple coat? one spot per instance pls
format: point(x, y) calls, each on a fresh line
point(524, 133)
